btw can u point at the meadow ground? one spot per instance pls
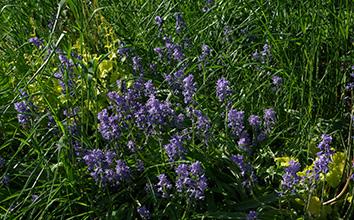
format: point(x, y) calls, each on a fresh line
point(179, 109)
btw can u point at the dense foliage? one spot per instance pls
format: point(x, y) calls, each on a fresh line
point(189, 109)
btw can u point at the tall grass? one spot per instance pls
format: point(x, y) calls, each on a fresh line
point(311, 49)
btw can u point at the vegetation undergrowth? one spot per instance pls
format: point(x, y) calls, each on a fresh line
point(204, 109)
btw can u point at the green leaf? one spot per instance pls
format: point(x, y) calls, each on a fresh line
point(336, 168)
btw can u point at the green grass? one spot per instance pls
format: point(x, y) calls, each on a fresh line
point(311, 49)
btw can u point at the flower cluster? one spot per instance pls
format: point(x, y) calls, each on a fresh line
point(235, 121)
point(324, 156)
point(290, 177)
point(36, 41)
point(246, 170)
point(163, 185)
point(23, 108)
point(252, 215)
point(101, 165)
point(189, 88)
point(144, 212)
point(222, 89)
point(263, 55)
point(174, 148)
point(191, 179)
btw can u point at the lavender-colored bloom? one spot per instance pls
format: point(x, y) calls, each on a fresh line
point(179, 23)
point(109, 125)
point(159, 21)
point(269, 118)
point(159, 52)
point(5, 180)
point(261, 136)
point(131, 146)
point(324, 156)
point(122, 170)
point(255, 121)
point(256, 55)
point(144, 212)
point(290, 178)
point(203, 122)
point(180, 119)
point(277, 81)
point(266, 50)
point(324, 145)
point(157, 111)
point(349, 86)
point(21, 107)
point(35, 198)
point(235, 121)
point(189, 89)
point(178, 53)
point(2, 162)
point(174, 148)
point(123, 51)
point(192, 180)
point(150, 90)
point(222, 89)
point(245, 168)
point(163, 185)
point(244, 140)
point(252, 215)
point(137, 66)
point(36, 41)
point(23, 112)
point(96, 158)
point(196, 168)
point(205, 52)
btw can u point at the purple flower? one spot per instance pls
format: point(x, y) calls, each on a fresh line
point(235, 122)
point(2, 162)
point(324, 156)
point(178, 53)
point(203, 122)
point(191, 179)
point(205, 52)
point(247, 172)
point(252, 215)
point(255, 121)
point(159, 52)
point(290, 177)
point(23, 110)
point(5, 180)
point(174, 148)
point(269, 118)
point(157, 112)
point(150, 90)
point(277, 81)
point(222, 89)
point(144, 212)
point(159, 21)
point(36, 41)
point(137, 66)
point(131, 146)
point(179, 23)
point(163, 185)
point(189, 89)
point(244, 140)
point(122, 170)
point(109, 125)
point(245, 168)
point(35, 198)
